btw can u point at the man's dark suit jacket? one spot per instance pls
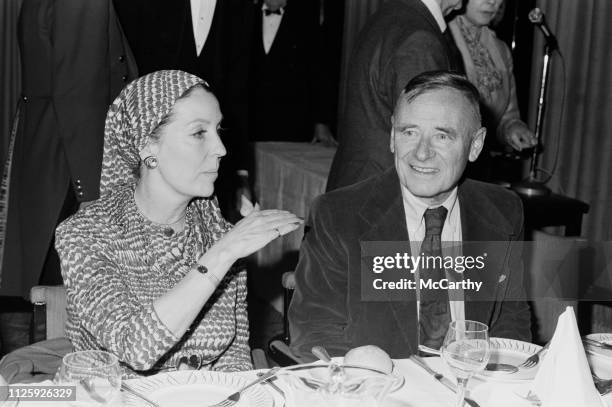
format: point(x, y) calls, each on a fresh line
point(327, 308)
point(74, 62)
point(288, 83)
point(399, 42)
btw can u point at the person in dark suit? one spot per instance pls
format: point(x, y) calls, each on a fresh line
point(75, 60)
point(289, 84)
point(436, 130)
point(402, 39)
point(212, 40)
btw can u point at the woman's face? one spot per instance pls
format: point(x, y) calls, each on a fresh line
point(482, 12)
point(189, 149)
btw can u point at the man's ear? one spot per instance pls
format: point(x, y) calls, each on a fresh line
point(477, 143)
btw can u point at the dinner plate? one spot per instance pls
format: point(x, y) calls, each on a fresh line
point(319, 371)
point(595, 350)
point(511, 352)
point(195, 388)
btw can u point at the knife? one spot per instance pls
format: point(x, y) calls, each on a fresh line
point(438, 376)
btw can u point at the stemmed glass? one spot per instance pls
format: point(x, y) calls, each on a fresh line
point(466, 350)
point(95, 374)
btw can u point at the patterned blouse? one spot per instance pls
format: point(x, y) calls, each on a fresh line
point(115, 263)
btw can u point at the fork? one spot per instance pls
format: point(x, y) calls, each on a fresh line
point(234, 397)
point(535, 358)
point(129, 389)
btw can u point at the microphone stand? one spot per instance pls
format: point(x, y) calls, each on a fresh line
point(531, 186)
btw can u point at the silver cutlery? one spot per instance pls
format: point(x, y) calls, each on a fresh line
point(274, 386)
point(599, 344)
point(234, 397)
point(129, 389)
point(441, 378)
point(501, 367)
point(312, 366)
point(534, 359)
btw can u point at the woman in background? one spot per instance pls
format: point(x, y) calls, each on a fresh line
point(488, 65)
point(149, 266)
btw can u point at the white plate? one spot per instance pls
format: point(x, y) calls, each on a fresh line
point(606, 353)
point(322, 374)
point(195, 388)
point(511, 352)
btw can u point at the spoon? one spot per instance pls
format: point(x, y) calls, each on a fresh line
point(501, 367)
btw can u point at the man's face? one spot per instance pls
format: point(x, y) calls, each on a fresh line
point(432, 139)
point(447, 6)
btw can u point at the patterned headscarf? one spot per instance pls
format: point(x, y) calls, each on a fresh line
point(131, 119)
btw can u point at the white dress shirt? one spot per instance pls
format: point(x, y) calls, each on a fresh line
point(436, 11)
point(270, 26)
point(451, 232)
point(202, 12)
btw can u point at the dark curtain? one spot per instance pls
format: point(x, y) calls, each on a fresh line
point(10, 70)
point(582, 133)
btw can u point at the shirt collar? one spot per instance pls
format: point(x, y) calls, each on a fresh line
point(436, 11)
point(416, 207)
point(264, 6)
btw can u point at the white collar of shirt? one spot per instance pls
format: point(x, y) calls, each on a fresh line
point(265, 7)
point(415, 209)
point(202, 13)
point(436, 11)
point(270, 25)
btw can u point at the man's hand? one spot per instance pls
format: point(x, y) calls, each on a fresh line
point(322, 134)
point(518, 136)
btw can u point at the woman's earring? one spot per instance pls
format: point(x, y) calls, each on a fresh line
point(150, 162)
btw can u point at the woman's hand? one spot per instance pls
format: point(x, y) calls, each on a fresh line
point(254, 231)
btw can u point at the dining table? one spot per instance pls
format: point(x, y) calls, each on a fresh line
point(418, 389)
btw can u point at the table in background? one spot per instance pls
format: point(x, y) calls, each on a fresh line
point(287, 176)
point(553, 210)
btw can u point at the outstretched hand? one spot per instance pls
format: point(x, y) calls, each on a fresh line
point(256, 229)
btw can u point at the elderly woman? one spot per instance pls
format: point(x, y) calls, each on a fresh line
point(488, 64)
point(148, 266)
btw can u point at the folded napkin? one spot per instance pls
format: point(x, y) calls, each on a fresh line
point(564, 378)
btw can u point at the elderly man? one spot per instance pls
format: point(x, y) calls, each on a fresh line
point(422, 200)
point(403, 39)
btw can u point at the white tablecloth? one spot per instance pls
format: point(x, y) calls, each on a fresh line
point(419, 390)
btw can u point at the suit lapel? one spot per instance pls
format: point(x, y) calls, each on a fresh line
point(384, 213)
point(478, 224)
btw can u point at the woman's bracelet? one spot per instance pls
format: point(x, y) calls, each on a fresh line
point(202, 269)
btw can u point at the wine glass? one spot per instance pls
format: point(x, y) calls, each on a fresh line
point(95, 374)
point(466, 350)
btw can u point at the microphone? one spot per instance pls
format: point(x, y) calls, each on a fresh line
point(536, 16)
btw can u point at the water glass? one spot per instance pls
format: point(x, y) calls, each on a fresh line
point(466, 350)
point(95, 374)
